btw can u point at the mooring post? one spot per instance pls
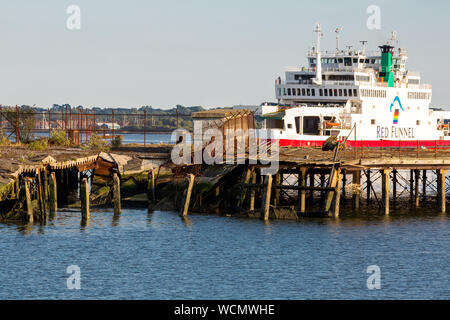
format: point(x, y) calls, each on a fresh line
point(84, 197)
point(252, 192)
point(441, 188)
point(151, 186)
point(302, 193)
point(265, 204)
point(29, 203)
point(385, 189)
point(356, 194)
point(116, 194)
point(53, 194)
point(187, 199)
point(416, 187)
point(337, 196)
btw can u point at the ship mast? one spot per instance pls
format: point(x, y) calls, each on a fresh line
point(318, 79)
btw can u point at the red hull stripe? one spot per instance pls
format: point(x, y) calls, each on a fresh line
point(368, 143)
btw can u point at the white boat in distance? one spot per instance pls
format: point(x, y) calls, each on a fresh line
point(371, 98)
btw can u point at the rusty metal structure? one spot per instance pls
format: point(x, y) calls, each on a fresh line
point(80, 124)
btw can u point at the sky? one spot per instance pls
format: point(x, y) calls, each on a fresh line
point(196, 52)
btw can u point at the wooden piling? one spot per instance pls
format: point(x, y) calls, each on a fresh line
point(311, 184)
point(424, 185)
point(394, 185)
point(356, 194)
point(302, 183)
point(245, 180)
point(441, 189)
point(416, 187)
point(84, 197)
point(326, 206)
point(29, 203)
point(411, 185)
point(151, 186)
point(385, 189)
point(337, 196)
point(188, 193)
point(265, 204)
point(252, 192)
point(368, 186)
point(116, 194)
point(276, 200)
point(53, 194)
point(41, 198)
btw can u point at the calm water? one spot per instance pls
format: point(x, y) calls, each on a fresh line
point(159, 256)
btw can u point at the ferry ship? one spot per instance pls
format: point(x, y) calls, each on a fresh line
point(367, 99)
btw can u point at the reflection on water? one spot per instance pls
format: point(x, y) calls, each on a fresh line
point(158, 255)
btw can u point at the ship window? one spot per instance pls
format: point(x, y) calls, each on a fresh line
point(340, 92)
point(372, 121)
point(298, 91)
point(284, 91)
point(335, 92)
point(340, 60)
point(308, 93)
point(355, 60)
point(349, 92)
point(367, 61)
point(297, 124)
point(311, 125)
point(289, 91)
point(325, 91)
point(320, 92)
point(313, 92)
point(303, 92)
point(347, 61)
point(293, 91)
point(345, 92)
point(330, 91)
point(373, 61)
point(361, 60)
point(355, 93)
point(289, 125)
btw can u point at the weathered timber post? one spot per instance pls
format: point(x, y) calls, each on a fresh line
point(17, 183)
point(41, 198)
point(330, 193)
point(29, 203)
point(416, 187)
point(246, 179)
point(311, 184)
point(424, 184)
point(276, 200)
point(411, 185)
point(45, 187)
point(252, 192)
point(344, 182)
point(53, 194)
point(187, 199)
point(151, 186)
point(265, 203)
point(394, 185)
point(302, 183)
point(337, 196)
point(356, 195)
point(116, 194)
point(441, 189)
point(385, 189)
point(84, 195)
point(369, 186)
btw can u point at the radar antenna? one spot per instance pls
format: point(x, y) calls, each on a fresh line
point(337, 38)
point(363, 42)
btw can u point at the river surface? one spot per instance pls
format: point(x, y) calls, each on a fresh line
point(142, 255)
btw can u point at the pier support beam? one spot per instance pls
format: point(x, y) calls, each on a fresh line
point(53, 201)
point(368, 186)
point(344, 183)
point(276, 200)
point(188, 193)
point(441, 189)
point(84, 197)
point(337, 196)
point(424, 185)
point(416, 187)
point(265, 203)
point(385, 189)
point(252, 192)
point(30, 217)
point(151, 186)
point(116, 194)
point(394, 185)
point(411, 185)
point(302, 183)
point(356, 195)
point(311, 184)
